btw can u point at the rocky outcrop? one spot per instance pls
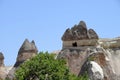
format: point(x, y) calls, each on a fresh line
point(79, 32)
point(75, 58)
point(100, 63)
point(79, 36)
point(92, 34)
point(3, 72)
point(110, 43)
point(108, 59)
point(26, 51)
point(95, 71)
point(85, 52)
point(3, 69)
point(76, 44)
point(1, 60)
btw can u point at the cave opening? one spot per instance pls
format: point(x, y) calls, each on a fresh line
point(74, 44)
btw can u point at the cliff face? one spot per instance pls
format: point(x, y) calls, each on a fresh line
point(100, 61)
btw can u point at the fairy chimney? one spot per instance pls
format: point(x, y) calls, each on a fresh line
point(26, 51)
point(79, 35)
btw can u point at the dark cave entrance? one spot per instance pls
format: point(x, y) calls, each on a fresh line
point(74, 44)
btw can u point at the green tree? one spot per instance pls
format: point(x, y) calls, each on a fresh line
point(43, 67)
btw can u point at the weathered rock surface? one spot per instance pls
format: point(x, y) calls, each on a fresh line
point(95, 71)
point(79, 32)
point(3, 72)
point(75, 59)
point(85, 52)
point(27, 51)
point(104, 66)
point(1, 59)
point(110, 43)
point(79, 36)
point(92, 34)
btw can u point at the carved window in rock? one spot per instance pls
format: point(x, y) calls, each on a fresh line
point(74, 44)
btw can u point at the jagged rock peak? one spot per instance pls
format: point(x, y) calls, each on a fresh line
point(1, 59)
point(34, 46)
point(79, 32)
point(82, 23)
point(1, 55)
point(26, 51)
point(92, 34)
point(28, 47)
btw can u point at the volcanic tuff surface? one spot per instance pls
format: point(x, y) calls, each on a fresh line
point(78, 32)
point(26, 51)
point(99, 60)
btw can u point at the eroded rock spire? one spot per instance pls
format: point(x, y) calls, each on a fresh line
point(79, 32)
point(26, 51)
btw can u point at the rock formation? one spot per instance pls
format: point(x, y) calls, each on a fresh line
point(76, 43)
point(92, 34)
point(79, 32)
point(3, 69)
point(79, 35)
point(1, 60)
point(85, 52)
point(26, 51)
point(75, 59)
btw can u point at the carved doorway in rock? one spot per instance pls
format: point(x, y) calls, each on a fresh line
point(74, 44)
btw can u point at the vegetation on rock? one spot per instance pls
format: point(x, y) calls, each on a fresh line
point(44, 67)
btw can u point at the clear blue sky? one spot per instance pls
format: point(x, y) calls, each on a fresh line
point(46, 20)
